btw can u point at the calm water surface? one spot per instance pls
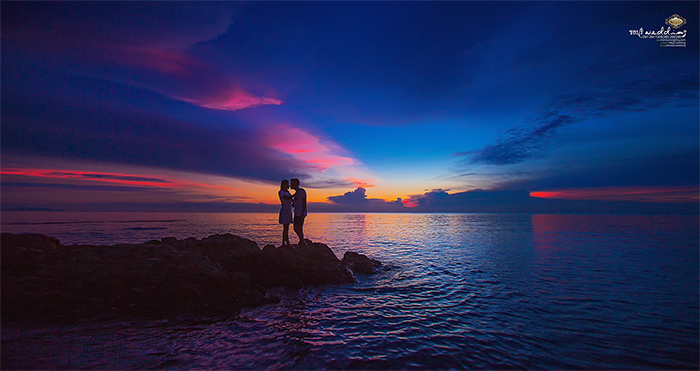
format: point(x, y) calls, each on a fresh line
point(474, 291)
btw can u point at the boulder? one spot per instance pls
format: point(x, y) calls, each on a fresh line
point(30, 241)
point(292, 266)
point(19, 252)
point(359, 263)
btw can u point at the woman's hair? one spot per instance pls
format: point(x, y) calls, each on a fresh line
point(284, 185)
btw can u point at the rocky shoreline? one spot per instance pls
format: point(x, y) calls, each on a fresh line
point(42, 279)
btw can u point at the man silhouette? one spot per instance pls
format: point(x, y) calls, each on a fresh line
point(299, 203)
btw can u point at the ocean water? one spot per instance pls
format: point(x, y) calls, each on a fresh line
point(457, 291)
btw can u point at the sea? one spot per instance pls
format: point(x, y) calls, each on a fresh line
point(456, 291)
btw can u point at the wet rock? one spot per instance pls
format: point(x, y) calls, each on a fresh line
point(42, 278)
point(359, 263)
point(292, 266)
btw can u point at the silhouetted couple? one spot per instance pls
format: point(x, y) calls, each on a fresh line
point(292, 204)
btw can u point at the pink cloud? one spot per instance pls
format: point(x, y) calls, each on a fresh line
point(233, 100)
point(641, 194)
point(189, 79)
point(90, 175)
point(365, 183)
point(306, 147)
point(117, 178)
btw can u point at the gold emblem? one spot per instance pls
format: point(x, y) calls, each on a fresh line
point(675, 21)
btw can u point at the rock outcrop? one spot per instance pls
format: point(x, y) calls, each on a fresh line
point(43, 279)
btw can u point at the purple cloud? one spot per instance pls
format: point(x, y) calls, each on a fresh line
point(479, 201)
point(529, 139)
point(356, 197)
point(79, 131)
point(357, 201)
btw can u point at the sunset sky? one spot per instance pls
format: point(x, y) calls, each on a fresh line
point(375, 106)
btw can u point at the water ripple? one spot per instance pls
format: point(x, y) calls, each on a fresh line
point(456, 292)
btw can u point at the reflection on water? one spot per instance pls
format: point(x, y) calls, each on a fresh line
point(457, 291)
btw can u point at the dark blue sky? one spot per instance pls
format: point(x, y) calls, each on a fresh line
point(211, 104)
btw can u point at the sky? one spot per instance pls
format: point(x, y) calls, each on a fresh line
point(374, 106)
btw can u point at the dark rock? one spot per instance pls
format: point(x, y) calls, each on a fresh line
point(270, 299)
point(174, 242)
point(29, 241)
point(359, 263)
point(190, 241)
point(41, 278)
point(227, 246)
point(19, 252)
point(292, 266)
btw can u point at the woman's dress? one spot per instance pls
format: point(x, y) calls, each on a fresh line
point(286, 210)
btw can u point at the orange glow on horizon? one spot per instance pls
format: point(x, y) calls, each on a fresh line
point(184, 185)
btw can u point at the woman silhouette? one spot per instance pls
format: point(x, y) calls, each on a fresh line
point(285, 211)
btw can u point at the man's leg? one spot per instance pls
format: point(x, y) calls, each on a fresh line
point(299, 230)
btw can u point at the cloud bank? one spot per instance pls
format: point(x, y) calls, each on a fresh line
point(79, 131)
point(523, 142)
point(357, 200)
point(481, 201)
